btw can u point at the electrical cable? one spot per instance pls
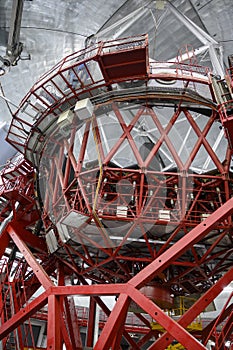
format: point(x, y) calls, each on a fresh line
point(109, 19)
point(225, 41)
point(51, 30)
point(7, 103)
point(101, 226)
point(205, 5)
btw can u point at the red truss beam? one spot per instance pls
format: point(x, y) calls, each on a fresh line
point(207, 332)
point(54, 323)
point(81, 199)
point(195, 235)
point(91, 322)
point(198, 307)
point(226, 329)
point(22, 315)
point(91, 194)
point(29, 257)
point(126, 291)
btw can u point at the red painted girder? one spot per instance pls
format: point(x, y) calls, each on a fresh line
point(71, 251)
point(211, 248)
point(16, 309)
point(116, 342)
point(24, 314)
point(65, 334)
point(127, 135)
point(126, 130)
point(146, 338)
point(143, 319)
point(82, 150)
point(5, 240)
point(106, 310)
point(96, 132)
point(164, 136)
point(115, 320)
point(220, 317)
point(94, 289)
point(204, 132)
point(74, 326)
point(118, 313)
point(128, 329)
point(130, 340)
point(91, 322)
point(73, 290)
point(70, 154)
point(29, 257)
point(177, 331)
point(59, 178)
point(196, 309)
point(204, 141)
point(54, 323)
point(226, 331)
point(66, 327)
point(29, 238)
point(207, 330)
point(221, 263)
point(176, 250)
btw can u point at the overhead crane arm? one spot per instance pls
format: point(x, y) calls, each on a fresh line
point(14, 46)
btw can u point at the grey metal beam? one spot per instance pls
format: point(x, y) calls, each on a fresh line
point(14, 46)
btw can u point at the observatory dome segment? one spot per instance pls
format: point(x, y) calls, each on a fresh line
point(128, 152)
point(119, 192)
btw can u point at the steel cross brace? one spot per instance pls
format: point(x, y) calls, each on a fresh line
point(205, 38)
point(127, 293)
point(118, 314)
point(186, 242)
point(23, 314)
point(157, 266)
point(207, 331)
point(196, 309)
point(37, 268)
point(129, 290)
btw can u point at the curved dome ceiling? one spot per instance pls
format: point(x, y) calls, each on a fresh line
point(50, 31)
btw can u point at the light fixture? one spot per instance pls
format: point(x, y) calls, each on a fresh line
point(84, 109)
point(2, 71)
point(65, 118)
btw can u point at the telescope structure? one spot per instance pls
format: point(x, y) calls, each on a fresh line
point(122, 187)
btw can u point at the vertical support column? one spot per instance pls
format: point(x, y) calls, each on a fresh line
point(74, 327)
point(54, 331)
point(18, 332)
point(97, 320)
point(69, 325)
point(91, 322)
point(2, 311)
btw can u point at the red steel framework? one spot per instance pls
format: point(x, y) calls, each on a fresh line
point(105, 202)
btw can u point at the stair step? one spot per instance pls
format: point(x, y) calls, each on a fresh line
point(226, 94)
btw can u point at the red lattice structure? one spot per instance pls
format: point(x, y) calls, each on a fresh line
point(124, 190)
